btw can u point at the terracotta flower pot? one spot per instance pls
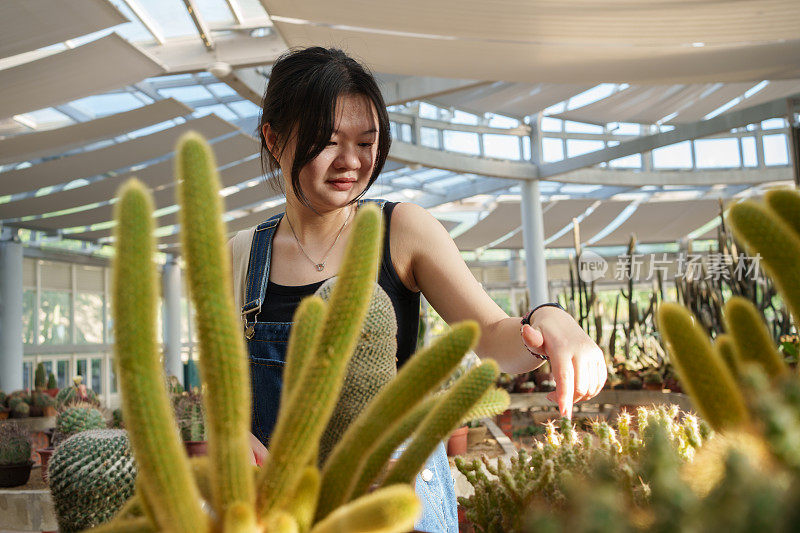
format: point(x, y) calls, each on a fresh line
point(45, 454)
point(196, 448)
point(51, 392)
point(3, 415)
point(457, 444)
point(504, 422)
point(15, 475)
point(653, 386)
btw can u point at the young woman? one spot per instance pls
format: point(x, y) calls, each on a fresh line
point(324, 126)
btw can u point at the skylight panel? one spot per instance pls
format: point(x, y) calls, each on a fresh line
point(245, 108)
point(107, 104)
point(215, 12)
point(220, 110)
point(252, 9)
point(220, 89)
point(171, 17)
point(186, 94)
point(598, 92)
point(133, 31)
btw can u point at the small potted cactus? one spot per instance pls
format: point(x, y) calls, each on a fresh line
point(42, 404)
point(78, 392)
point(52, 386)
point(15, 455)
point(40, 377)
point(191, 420)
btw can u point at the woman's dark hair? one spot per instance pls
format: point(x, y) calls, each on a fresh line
point(300, 100)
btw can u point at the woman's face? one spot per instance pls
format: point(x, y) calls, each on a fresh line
point(343, 169)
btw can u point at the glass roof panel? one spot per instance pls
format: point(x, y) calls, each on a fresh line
point(220, 110)
point(252, 9)
point(215, 12)
point(189, 93)
point(133, 31)
point(107, 104)
point(245, 108)
point(171, 16)
point(221, 89)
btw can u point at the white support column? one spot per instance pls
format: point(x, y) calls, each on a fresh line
point(533, 224)
point(533, 238)
point(172, 318)
point(10, 311)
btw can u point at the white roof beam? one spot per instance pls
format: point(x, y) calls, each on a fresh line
point(422, 87)
point(683, 132)
point(200, 24)
point(188, 55)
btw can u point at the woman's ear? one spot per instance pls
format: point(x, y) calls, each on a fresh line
point(270, 137)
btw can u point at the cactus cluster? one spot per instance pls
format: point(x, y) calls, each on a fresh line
point(40, 377)
point(289, 493)
point(78, 392)
point(15, 444)
point(91, 475)
point(505, 493)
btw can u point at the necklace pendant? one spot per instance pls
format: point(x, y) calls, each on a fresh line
point(320, 266)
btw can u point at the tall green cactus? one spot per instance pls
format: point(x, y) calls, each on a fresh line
point(222, 367)
point(288, 486)
point(164, 468)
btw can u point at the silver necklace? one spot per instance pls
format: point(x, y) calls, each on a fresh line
point(321, 265)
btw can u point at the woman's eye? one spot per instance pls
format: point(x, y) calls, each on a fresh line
point(366, 144)
point(331, 143)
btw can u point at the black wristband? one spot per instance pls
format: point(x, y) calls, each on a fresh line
point(527, 318)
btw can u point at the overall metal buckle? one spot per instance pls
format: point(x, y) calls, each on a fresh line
point(249, 329)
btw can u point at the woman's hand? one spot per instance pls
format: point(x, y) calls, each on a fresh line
point(577, 363)
point(260, 452)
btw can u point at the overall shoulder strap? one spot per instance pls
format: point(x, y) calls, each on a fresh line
point(379, 201)
point(258, 267)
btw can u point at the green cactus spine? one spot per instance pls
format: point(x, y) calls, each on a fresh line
point(443, 419)
point(371, 367)
point(92, 475)
point(753, 341)
point(421, 373)
point(701, 369)
point(294, 440)
point(223, 364)
point(164, 467)
point(21, 410)
point(15, 444)
point(191, 418)
point(766, 233)
point(51, 381)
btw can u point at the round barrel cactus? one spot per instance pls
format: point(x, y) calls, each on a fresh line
point(15, 444)
point(373, 365)
point(92, 474)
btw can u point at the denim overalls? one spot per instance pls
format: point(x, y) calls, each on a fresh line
point(266, 345)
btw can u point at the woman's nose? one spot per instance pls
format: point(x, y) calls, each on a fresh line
point(347, 159)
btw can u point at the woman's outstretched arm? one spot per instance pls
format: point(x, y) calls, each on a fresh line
point(437, 269)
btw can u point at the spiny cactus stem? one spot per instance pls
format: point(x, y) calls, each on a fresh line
point(303, 337)
point(370, 468)
point(223, 364)
point(391, 509)
point(296, 435)
point(753, 341)
point(163, 466)
point(418, 376)
point(442, 420)
point(706, 377)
